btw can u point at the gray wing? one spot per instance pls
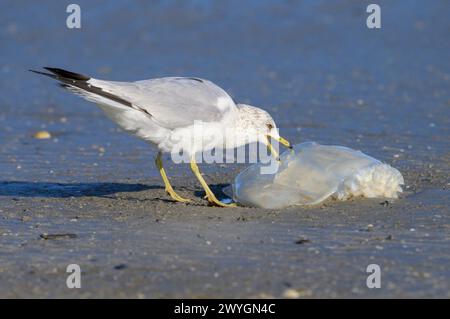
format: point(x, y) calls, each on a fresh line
point(174, 101)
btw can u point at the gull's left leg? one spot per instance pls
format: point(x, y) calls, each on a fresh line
point(209, 194)
point(169, 188)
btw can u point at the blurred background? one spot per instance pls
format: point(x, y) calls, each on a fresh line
point(314, 65)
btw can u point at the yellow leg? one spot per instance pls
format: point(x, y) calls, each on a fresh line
point(209, 194)
point(169, 189)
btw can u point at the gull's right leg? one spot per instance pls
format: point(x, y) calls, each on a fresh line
point(209, 194)
point(169, 188)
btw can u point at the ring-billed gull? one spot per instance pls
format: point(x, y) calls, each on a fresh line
point(157, 110)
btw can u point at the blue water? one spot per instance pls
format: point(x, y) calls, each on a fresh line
point(314, 65)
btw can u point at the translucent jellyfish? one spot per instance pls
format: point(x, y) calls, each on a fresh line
point(313, 173)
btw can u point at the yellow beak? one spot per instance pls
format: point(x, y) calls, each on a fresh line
point(282, 141)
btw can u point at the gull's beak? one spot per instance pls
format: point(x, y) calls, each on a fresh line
point(282, 141)
point(272, 150)
point(285, 142)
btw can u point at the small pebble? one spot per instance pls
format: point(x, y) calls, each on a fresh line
point(57, 236)
point(120, 267)
point(369, 227)
point(42, 135)
point(295, 294)
point(302, 240)
point(26, 218)
point(291, 294)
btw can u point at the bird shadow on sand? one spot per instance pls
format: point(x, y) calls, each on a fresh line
point(64, 190)
point(217, 189)
point(197, 196)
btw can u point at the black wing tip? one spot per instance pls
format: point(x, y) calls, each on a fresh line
point(74, 80)
point(43, 73)
point(67, 74)
point(60, 73)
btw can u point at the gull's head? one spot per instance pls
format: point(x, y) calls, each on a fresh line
point(260, 126)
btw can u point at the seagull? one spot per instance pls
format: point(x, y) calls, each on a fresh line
point(161, 110)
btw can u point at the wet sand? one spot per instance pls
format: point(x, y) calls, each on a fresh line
point(316, 68)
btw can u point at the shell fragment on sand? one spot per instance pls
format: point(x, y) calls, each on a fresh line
point(42, 135)
point(314, 173)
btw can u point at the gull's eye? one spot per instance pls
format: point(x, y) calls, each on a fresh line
point(269, 126)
